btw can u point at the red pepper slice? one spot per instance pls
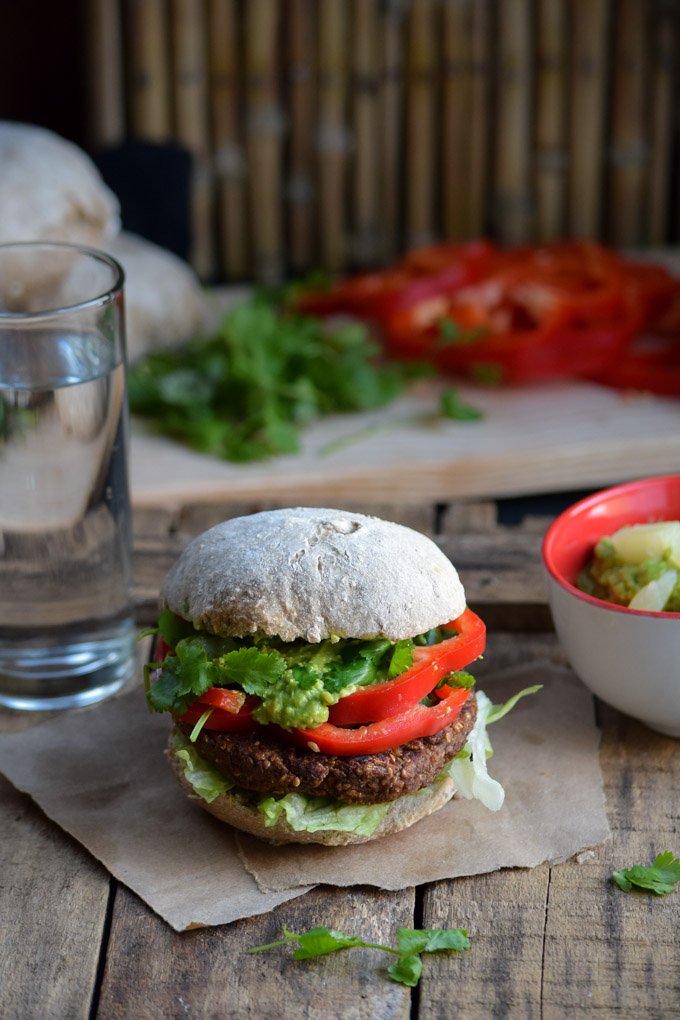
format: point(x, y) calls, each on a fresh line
point(417, 721)
point(653, 370)
point(219, 719)
point(161, 649)
point(421, 276)
point(430, 664)
point(222, 697)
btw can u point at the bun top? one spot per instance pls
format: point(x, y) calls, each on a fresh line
point(313, 573)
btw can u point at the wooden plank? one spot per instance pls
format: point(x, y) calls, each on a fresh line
point(530, 440)
point(56, 896)
point(152, 973)
point(608, 953)
point(499, 567)
point(500, 975)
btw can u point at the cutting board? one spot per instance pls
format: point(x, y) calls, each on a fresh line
point(530, 440)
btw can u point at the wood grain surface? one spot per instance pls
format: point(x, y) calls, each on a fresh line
point(547, 942)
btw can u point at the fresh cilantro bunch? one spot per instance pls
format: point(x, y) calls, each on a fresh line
point(411, 944)
point(245, 393)
point(660, 878)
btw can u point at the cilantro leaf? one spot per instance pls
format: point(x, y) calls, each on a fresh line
point(452, 333)
point(431, 940)
point(256, 671)
point(411, 943)
point(321, 941)
point(173, 628)
point(402, 658)
point(316, 942)
point(406, 970)
point(459, 678)
point(360, 664)
point(452, 406)
point(184, 676)
point(487, 373)
point(660, 878)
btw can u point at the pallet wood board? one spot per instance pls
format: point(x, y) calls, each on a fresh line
point(557, 437)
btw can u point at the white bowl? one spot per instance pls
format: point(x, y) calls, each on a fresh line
point(629, 658)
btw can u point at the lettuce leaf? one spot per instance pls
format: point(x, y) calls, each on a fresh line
point(469, 771)
point(318, 814)
point(498, 711)
point(207, 781)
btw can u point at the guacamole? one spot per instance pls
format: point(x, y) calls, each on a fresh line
point(635, 567)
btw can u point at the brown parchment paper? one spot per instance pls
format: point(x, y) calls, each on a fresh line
point(546, 757)
point(101, 774)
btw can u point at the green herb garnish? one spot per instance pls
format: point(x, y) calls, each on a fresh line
point(411, 943)
point(451, 332)
point(487, 373)
point(452, 406)
point(660, 878)
point(245, 393)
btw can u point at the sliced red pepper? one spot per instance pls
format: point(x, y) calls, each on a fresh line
point(651, 288)
point(417, 721)
point(422, 276)
point(654, 370)
point(222, 697)
point(161, 649)
point(219, 719)
point(430, 664)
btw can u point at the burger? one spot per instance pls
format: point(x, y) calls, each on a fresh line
point(314, 663)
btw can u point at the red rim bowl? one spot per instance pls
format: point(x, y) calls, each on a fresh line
point(572, 536)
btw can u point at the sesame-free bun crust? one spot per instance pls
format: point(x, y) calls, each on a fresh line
point(401, 814)
point(313, 573)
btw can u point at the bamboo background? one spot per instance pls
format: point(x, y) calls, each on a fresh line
point(337, 133)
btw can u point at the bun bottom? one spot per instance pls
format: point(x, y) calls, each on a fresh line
point(402, 813)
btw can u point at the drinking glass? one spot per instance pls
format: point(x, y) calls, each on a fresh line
point(67, 635)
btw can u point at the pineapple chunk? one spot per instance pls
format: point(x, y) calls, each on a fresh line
point(654, 595)
point(636, 543)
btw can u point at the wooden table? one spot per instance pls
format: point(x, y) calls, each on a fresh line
point(549, 942)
